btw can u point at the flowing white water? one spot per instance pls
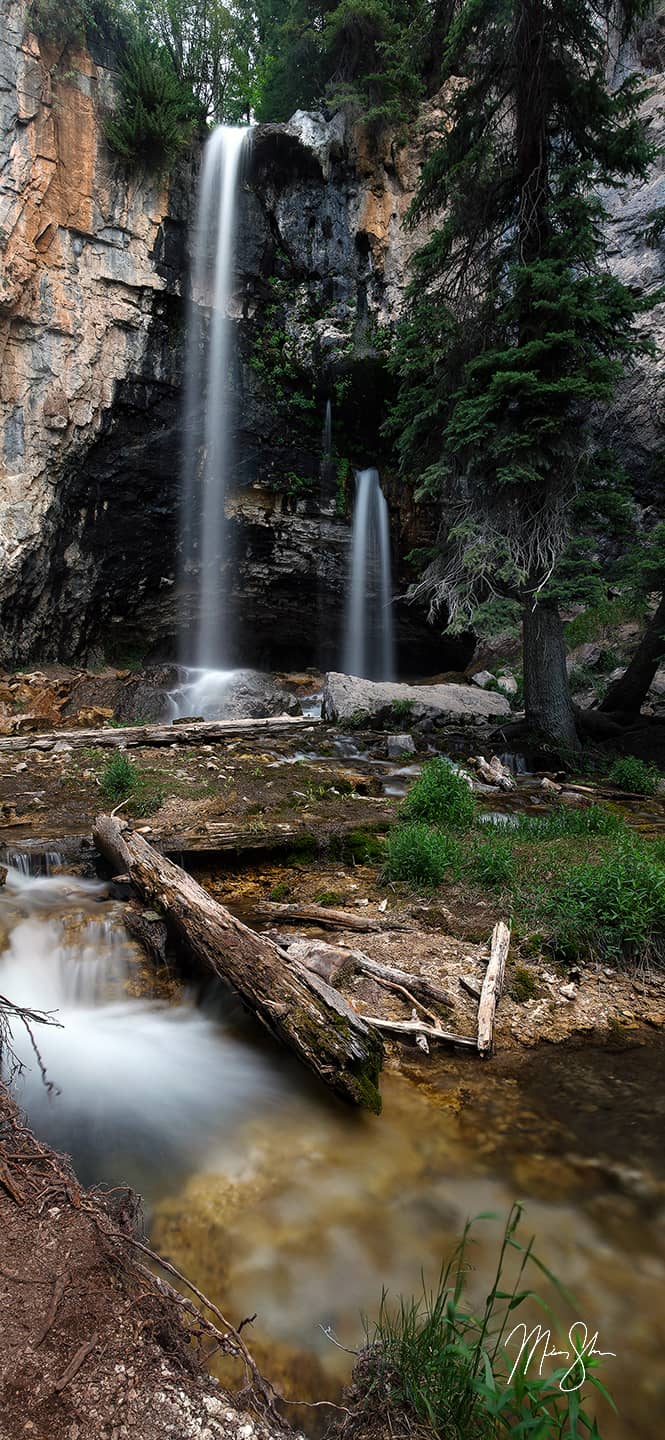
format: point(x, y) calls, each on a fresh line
point(209, 399)
point(368, 630)
point(140, 1085)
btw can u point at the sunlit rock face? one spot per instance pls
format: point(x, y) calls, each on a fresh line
point(92, 270)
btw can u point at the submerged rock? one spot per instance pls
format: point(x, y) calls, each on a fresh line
point(348, 697)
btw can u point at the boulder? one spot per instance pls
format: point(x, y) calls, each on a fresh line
point(399, 745)
point(506, 681)
point(347, 697)
point(482, 679)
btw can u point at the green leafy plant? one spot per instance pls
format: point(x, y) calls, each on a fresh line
point(491, 861)
point(119, 777)
point(61, 22)
point(435, 1365)
point(440, 796)
point(634, 776)
point(562, 821)
point(610, 909)
point(154, 114)
point(420, 856)
point(281, 891)
point(328, 897)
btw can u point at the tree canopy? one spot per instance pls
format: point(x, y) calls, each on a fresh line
point(516, 331)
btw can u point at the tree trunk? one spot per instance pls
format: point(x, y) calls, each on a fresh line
point(298, 1007)
point(547, 700)
point(626, 696)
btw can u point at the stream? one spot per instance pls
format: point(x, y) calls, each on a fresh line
point(276, 1200)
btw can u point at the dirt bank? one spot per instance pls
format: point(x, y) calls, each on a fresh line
point(95, 1347)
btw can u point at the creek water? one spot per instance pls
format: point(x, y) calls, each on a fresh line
point(276, 1200)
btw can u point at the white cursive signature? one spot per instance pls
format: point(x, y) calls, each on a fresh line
point(537, 1336)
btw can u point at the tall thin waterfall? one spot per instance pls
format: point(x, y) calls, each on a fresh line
point(208, 399)
point(368, 632)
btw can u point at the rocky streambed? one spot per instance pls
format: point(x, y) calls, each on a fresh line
point(266, 1192)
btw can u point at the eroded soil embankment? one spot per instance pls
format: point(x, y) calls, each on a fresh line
point(94, 1347)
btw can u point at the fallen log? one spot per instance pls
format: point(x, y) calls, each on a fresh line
point(492, 986)
point(328, 918)
point(199, 732)
point(419, 985)
point(297, 1006)
point(329, 961)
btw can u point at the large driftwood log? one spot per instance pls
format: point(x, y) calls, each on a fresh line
point(492, 986)
point(198, 732)
point(330, 919)
point(298, 1007)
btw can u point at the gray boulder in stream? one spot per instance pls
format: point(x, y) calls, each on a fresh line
point(347, 697)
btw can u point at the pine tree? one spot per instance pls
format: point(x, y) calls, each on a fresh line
point(515, 331)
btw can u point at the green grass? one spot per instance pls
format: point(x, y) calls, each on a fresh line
point(434, 1365)
point(420, 856)
point(610, 909)
point(491, 861)
point(119, 777)
point(634, 776)
point(440, 796)
point(563, 821)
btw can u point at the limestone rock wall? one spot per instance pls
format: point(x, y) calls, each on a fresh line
point(85, 289)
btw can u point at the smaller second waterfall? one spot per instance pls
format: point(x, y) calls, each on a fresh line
point(368, 628)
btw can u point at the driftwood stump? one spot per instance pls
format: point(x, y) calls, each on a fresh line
point(298, 1007)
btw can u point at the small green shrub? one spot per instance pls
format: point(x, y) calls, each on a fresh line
point(440, 796)
point(612, 910)
point(328, 897)
point(118, 778)
point(154, 117)
point(491, 861)
point(635, 776)
point(524, 984)
point(420, 856)
point(61, 22)
point(281, 891)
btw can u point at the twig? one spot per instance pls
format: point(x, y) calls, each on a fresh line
point(59, 1287)
point(75, 1364)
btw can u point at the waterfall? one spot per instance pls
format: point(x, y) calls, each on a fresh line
point(208, 400)
point(368, 629)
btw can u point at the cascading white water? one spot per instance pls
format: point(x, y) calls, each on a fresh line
point(139, 1084)
point(368, 630)
point(208, 400)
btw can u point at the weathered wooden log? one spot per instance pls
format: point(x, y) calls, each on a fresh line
point(492, 986)
point(417, 1027)
point(419, 985)
point(298, 1007)
point(330, 919)
point(329, 961)
point(199, 732)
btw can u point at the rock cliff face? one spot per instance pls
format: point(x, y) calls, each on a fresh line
point(92, 320)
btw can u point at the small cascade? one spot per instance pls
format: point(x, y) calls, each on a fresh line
point(368, 628)
point(139, 1085)
point(209, 399)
